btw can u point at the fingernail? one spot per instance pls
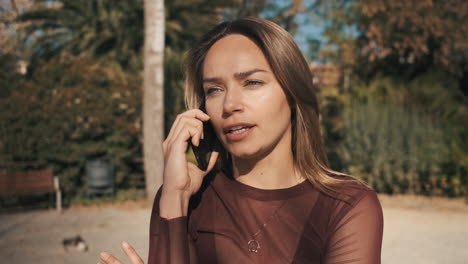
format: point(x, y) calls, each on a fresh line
point(104, 255)
point(125, 244)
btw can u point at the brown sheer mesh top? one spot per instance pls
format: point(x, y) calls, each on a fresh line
point(294, 225)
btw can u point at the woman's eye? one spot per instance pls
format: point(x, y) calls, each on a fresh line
point(212, 90)
point(253, 82)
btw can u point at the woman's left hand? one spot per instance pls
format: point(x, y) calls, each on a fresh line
point(129, 251)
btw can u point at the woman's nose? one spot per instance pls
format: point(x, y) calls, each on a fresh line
point(233, 101)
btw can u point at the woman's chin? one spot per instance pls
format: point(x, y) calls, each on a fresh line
point(246, 154)
point(242, 156)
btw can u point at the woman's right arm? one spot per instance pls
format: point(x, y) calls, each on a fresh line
point(169, 240)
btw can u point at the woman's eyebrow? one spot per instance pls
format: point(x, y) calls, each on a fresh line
point(243, 75)
point(237, 75)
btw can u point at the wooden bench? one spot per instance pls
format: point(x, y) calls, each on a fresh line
point(31, 182)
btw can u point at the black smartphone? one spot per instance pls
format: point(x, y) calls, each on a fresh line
point(207, 145)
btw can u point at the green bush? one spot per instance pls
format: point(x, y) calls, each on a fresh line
point(394, 149)
point(72, 109)
point(401, 137)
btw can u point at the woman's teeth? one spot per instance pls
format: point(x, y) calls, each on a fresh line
point(237, 131)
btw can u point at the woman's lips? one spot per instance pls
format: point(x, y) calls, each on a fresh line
point(240, 134)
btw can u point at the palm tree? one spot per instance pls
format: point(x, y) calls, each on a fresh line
point(97, 28)
point(103, 27)
point(187, 20)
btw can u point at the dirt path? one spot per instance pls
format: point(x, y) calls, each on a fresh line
point(417, 230)
point(36, 237)
point(421, 230)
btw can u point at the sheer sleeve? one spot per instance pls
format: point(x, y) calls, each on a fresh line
point(169, 240)
point(357, 236)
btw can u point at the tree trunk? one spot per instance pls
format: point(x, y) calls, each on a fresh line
point(153, 97)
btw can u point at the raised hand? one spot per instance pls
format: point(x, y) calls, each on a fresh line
point(129, 251)
point(182, 178)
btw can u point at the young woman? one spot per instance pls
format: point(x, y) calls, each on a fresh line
point(267, 195)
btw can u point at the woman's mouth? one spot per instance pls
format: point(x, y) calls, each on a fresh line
point(238, 133)
point(238, 130)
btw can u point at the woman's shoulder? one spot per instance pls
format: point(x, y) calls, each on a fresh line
point(350, 191)
point(350, 199)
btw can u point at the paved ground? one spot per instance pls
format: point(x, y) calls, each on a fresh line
point(417, 231)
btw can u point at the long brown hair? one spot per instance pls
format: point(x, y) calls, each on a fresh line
point(294, 76)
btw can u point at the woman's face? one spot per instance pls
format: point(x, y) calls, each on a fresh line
point(248, 108)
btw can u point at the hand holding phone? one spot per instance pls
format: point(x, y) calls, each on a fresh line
point(207, 145)
point(181, 178)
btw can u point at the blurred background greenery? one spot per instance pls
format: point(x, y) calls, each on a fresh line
point(392, 76)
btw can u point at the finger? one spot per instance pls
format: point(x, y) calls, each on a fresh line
point(174, 129)
point(192, 115)
point(198, 125)
point(131, 253)
point(195, 134)
point(177, 128)
point(197, 172)
point(180, 124)
point(109, 259)
point(197, 113)
point(184, 135)
point(212, 162)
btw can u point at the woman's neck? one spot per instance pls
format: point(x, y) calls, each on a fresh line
point(273, 170)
